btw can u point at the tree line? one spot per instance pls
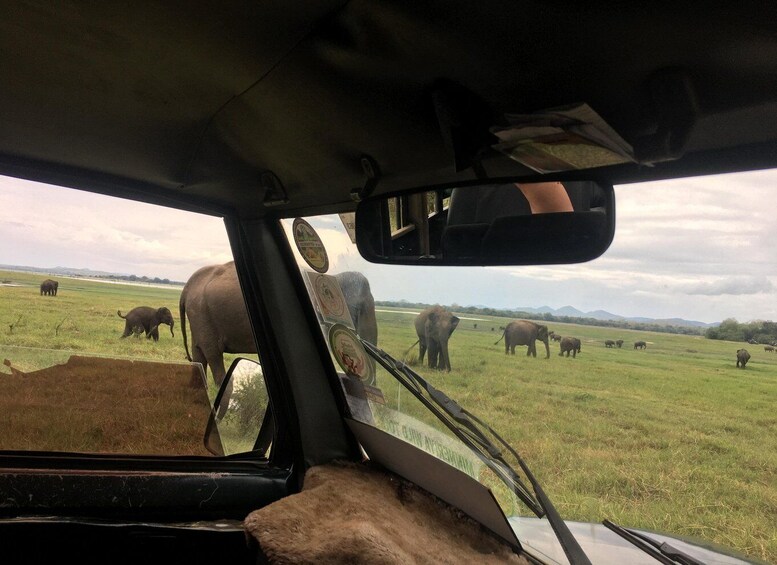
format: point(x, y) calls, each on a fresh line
point(141, 279)
point(548, 317)
point(760, 331)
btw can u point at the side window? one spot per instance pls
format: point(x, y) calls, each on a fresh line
point(95, 356)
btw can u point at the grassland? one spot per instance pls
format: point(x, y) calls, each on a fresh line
point(672, 438)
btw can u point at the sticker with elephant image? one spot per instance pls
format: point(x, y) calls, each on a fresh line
point(349, 353)
point(310, 245)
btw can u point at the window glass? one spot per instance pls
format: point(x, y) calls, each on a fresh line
point(92, 351)
point(653, 413)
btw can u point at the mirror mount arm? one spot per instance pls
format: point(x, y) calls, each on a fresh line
point(372, 172)
point(677, 109)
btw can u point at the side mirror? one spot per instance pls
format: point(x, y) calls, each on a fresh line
point(241, 420)
point(487, 225)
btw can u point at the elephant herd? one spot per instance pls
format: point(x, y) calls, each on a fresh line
point(435, 325)
point(218, 320)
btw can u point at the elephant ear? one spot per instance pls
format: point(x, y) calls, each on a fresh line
point(454, 323)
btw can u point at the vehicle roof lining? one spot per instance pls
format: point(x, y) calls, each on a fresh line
point(194, 104)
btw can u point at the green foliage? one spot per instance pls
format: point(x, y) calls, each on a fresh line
point(758, 330)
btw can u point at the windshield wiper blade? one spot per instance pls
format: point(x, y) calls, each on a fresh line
point(464, 425)
point(662, 551)
point(469, 429)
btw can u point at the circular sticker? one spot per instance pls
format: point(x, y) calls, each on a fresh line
point(310, 245)
point(350, 353)
point(328, 293)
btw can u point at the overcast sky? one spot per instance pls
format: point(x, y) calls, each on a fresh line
point(700, 249)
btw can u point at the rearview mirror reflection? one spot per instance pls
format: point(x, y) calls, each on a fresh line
point(495, 224)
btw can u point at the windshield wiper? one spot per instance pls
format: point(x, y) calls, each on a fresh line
point(662, 551)
point(470, 430)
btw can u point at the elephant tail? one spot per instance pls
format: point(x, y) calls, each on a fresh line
point(404, 356)
point(500, 339)
point(182, 312)
point(119, 313)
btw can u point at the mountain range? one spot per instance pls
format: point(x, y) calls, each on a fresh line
point(573, 312)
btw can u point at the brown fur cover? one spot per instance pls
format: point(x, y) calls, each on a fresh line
point(360, 514)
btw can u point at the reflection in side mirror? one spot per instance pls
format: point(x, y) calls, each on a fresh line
point(241, 420)
point(489, 225)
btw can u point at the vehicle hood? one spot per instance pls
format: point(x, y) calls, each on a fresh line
point(603, 546)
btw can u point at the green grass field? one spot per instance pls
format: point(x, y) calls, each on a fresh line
point(672, 438)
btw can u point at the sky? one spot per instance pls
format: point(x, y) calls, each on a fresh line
point(700, 248)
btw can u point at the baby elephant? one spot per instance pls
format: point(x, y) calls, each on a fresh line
point(146, 319)
point(742, 357)
point(570, 344)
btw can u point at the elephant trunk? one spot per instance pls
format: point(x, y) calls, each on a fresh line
point(445, 360)
point(547, 348)
point(172, 323)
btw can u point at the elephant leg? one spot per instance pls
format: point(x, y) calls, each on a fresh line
point(224, 403)
point(512, 349)
point(434, 355)
point(421, 351)
point(217, 367)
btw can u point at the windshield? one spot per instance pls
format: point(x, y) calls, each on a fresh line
point(617, 381)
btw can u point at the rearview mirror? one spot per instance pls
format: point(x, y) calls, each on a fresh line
point(504, 224)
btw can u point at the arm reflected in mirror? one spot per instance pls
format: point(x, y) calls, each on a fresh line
point(546, 197)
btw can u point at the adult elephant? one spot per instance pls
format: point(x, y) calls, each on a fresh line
point(147, 319)
point(49, 287)
point(742, 358)
point(609, 343)
point(640, 345)
point(361, 304)
point(619, 342)
point(570, 345)
point(524, 332)
point(213, 303)
point(434, 327)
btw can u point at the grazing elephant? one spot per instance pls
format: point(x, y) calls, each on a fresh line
point(609, 343)
point(769, 348)
point(570, 344)
point(49, 287)
point(434, 327)
point(640, 345)
point(619, 343)
point(146, 319)
point(213, 303)
point(742, 358)
point(524, 332)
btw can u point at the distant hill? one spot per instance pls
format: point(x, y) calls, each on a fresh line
point(88, 273)
point(573, 312)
